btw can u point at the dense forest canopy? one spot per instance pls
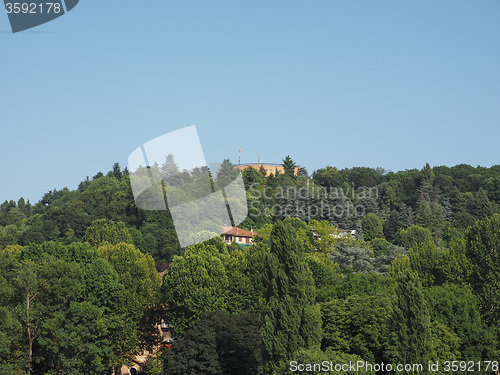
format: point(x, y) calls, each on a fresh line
point(357, 264)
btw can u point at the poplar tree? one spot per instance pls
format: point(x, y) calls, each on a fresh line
point(411, 321)
point(289, 319)
point(483, 250)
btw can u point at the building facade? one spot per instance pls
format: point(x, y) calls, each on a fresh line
point(268, 167)
point(240, 236)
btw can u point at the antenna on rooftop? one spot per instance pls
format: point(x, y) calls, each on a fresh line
point(239, 156)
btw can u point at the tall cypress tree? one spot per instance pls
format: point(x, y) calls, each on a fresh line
point(483, 250)
point(411, 321)
point(290, 320)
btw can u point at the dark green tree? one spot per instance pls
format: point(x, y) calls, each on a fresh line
point(219, 344)
point(195, 283)
point(457, 307)
point(358, 325)
point(289, 167)
point(424, 215)
point(483, 250)
point(372, 227)
point(410, 322)
point(290, 319)
point(252, 177)
point(226, 174)
point(392, 225)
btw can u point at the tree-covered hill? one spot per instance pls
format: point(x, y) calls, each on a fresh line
point(418, 283)
point(442, 199)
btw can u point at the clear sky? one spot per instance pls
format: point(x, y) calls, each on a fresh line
point(386, 83)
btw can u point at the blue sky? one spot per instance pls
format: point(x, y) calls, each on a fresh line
point(368, 83)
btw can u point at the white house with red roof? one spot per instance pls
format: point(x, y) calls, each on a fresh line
point(240, 236)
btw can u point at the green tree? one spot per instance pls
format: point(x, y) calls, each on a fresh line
point(30, 308)
point(141, 308)
point(358, 325)
point(457, 307)
point(252, 177)
point(392, 225)
point(244, 269)
point(365, 284)
point(318, 236)
point(106, 198)
point(424, 215)
point(412, 236)
point(326, 274)
point(425, 260)
point(372, 227)
point(353, 259)
point(483, 244)
point(410, 323)
point(226, 174)
point(195, 283)
point(65, 296)
point(289, 167)
point(327, 177)
point(169, 168)
point(380, 246)
point(104, 230)
point(220, 343)
point(11, 330)
point(290, 320)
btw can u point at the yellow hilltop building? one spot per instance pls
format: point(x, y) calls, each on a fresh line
point(268, 167)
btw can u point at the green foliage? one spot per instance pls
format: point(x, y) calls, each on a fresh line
point(103, 230)
point(226, 174)
point(289, 318)
point(424, 260)
point(318, 236)
point(326, 274)
point(220, 343)
point(483, 244)
point(365, 284)
point(326, 177)
point(456, 307)
point(358, 325)
point(380, 246)
point(252, 177)
point(244, 270)
point(412, 236)
point(424, 215)
point(372, 227)
point(410, 321)
point(455, 266)
point(353, 259)
point(194, 283)
point(92, 310)
point(62, 299)
point(136, 272)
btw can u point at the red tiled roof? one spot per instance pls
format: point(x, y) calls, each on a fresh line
point(235, 231)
